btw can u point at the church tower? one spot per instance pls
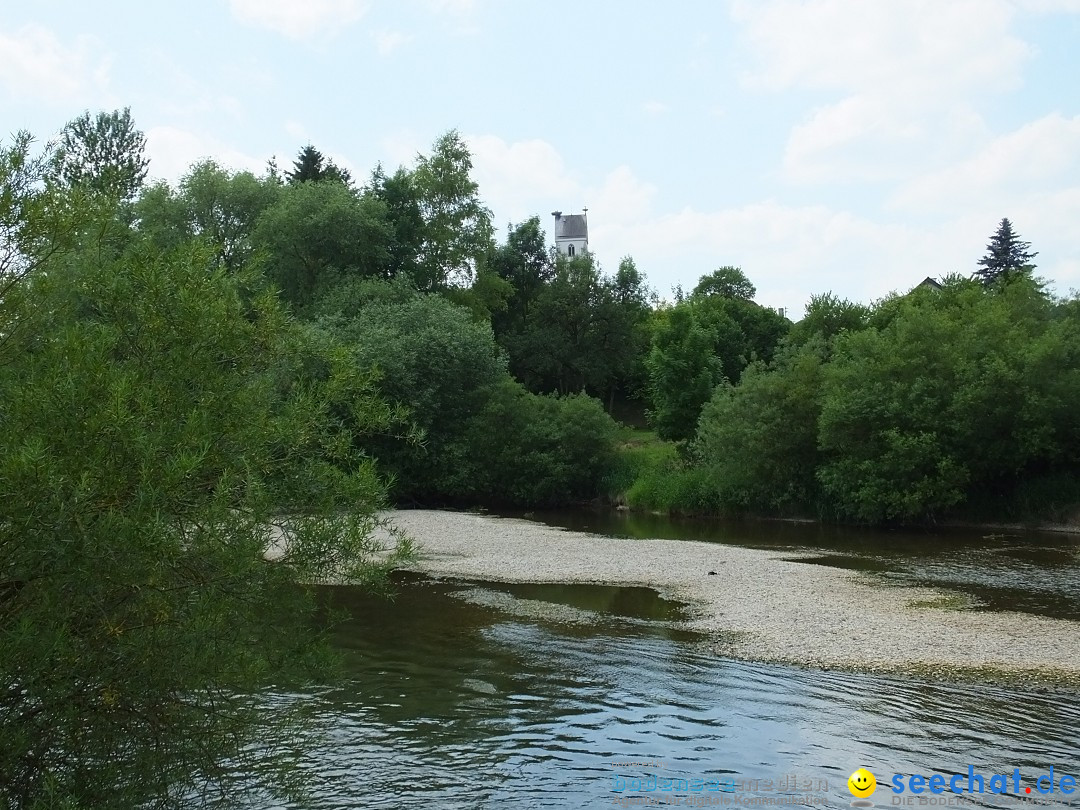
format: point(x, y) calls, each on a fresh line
point(571, 233)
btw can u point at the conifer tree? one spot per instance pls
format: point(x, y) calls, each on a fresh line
point(1006, 256)
point(310, 165)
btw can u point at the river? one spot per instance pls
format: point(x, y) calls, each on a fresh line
point(455, 701)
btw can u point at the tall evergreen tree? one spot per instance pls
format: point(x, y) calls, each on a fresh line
point(310, 165)
point(307, 166)
point(1006, 256)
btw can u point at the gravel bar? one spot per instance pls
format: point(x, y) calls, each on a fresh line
point(761, 605)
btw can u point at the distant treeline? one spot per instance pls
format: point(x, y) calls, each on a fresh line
point(504, 361)
point(951, 402)
point(958, 400)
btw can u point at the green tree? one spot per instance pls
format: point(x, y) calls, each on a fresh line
point(311, 167)
point(828, 316)
point(157, 427)
point(952, 398)
point(757, 442)
point(538, 450)
point(213, 204)
point(103, 153)
point(457, 225)
point(401, 198)
point(624, 313)
point(525, 262)
point(434, 359)
point(316, 232)
point(728, 282)
point(1007, 256)
point(31, 229)
point(683, 370)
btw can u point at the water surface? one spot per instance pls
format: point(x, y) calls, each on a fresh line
point(453, 704)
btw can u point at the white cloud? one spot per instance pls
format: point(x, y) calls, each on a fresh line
point(908, 75)
point(654, 107)
point(1035, 159)
point(172, 151)
point(386, 42)
point(899, 47)
point(401, 149)
point(297, 131)
point(299, 19)
point(36, 65)
point(515, 178)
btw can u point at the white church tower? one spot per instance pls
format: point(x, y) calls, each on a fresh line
point(571, 233)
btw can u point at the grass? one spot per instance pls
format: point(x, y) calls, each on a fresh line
point(651, 475)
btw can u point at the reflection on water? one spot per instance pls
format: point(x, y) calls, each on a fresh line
point(1033, 572)
point(451, 704)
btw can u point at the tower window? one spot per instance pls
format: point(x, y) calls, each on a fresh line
point(570, 250)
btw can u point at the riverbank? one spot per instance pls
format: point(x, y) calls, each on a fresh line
point(762, 605)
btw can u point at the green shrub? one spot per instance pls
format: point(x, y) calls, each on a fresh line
point(533, 450)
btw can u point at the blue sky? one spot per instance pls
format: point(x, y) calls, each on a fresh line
point(853, 146)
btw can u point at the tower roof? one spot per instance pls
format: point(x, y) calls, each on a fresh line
point(571, 226)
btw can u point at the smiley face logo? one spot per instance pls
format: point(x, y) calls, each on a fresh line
point(862, 783)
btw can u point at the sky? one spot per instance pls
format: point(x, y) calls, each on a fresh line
point(845, 146)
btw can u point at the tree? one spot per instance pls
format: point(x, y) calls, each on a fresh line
point(952, 398)
point(311, 166)
point(213, 204)
point(683, 370)
point(728, 282)
point(524, 261)
point(828, 316)
point(758, 441)
point(103, 154)
point(457, 225)
point(530, 449)
point(623, 318)
point(434, 359)
point(318, 231)
point(1007, 256)
point(156, 426)
point(399, 195)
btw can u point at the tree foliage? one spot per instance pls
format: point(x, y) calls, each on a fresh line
point(457, 226)
point(433, 358)
point(757, 441)
point(828, 316)
point(311, 167)
point(538, 450)
point(1007, 256)
point(162, 415)
point(727, 282)
point(221, 208)
point(102, 153)
point(709, 336)
point(683, 370)
point(319, 230)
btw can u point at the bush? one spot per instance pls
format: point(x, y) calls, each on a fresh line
point(433, 359)
point(533, 450)
point(757, 443)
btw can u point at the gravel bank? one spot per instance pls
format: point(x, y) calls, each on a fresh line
point(760, 606)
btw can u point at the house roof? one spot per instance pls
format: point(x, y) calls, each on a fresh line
point(571, 226)
point(929, 282)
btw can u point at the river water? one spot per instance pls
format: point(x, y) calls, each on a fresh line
point(457, 698)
